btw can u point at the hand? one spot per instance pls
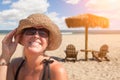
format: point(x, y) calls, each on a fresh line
point(9, 45)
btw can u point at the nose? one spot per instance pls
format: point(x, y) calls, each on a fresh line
point(36, 34)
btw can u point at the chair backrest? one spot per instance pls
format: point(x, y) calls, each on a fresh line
point(103, 50)
point(70, 47)
point(71, 50)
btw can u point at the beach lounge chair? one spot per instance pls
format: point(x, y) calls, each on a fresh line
point(71, 52)
point(101, 55)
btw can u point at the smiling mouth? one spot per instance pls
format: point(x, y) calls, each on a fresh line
point(35, 43)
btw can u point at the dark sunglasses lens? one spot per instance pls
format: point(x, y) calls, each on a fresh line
point(43, 33)
point(29, 31)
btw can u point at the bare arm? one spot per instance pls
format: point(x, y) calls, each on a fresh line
point(3, 70)
point(8, 48)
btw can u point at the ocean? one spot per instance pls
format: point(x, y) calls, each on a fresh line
point(78, 31)
point(4, 31)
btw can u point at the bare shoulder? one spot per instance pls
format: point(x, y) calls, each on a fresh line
point(58, 71)
point(56, 65)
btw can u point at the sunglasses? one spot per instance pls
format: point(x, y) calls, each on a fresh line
point(32, 31)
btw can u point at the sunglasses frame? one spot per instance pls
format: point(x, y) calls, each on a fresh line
point(43, 32)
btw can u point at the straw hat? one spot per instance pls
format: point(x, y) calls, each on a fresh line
point(33, 20)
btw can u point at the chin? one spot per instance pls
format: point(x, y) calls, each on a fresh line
point(36, 50)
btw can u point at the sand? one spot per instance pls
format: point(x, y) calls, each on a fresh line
point(91, 69)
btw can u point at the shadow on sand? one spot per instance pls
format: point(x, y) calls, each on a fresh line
point(70, 60)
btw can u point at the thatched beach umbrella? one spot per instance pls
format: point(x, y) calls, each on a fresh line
point(87, 20)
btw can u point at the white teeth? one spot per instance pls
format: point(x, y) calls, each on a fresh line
point(34, 43)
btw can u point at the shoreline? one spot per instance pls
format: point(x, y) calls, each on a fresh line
point(78, 31)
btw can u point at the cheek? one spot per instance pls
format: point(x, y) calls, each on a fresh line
point(45, 41)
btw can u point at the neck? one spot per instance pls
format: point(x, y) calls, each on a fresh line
point(33, 60)
point(31, 63)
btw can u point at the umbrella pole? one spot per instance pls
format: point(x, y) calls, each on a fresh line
point(86, 43)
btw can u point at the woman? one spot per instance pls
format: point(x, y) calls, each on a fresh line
point(37, 34)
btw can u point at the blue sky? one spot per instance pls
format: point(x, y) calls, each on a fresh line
point(11, 11)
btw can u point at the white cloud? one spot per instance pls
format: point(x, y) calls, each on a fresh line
point(30, 6)
point(103, 5)
point(6, 1)
point(59, 21)
point(72, 1)
point(109, 8)
point(21, 9)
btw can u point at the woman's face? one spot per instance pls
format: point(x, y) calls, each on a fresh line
point(35, 39)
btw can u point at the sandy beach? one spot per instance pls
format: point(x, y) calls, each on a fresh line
point(87, 70)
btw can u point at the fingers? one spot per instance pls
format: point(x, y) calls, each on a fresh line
point(9, 36)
